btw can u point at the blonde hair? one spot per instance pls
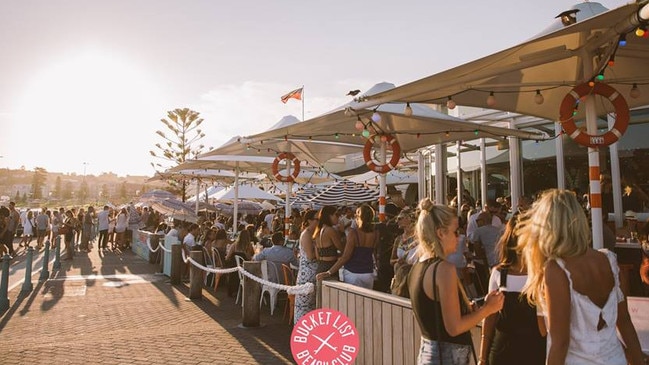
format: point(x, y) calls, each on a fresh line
point(431, 218)
point(555, 227)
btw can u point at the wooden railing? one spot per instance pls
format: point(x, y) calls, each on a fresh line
point(386, 325)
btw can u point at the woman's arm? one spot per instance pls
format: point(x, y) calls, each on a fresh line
point(306, 243)
point(334, 236)
point(454, 322)
point(629, 335)
point(395, 245)
point(488, 331)
point(342, 260)
point(557, 294)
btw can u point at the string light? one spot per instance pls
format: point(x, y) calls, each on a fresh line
point(376, 117)
point(450, 103)
point(408, 110)
point(336, 136)
point(640, 32)
point(447, 133)
point(365, 133)
point(635, 92)
point(611, 61)
point(286, 137)
point(418, 135)
point(622, 41)
point(359, 124)
point(491, 99)
point(476, 132)
point(538, 98)
point(600, 77)
point(591, 83)
point(384, 138)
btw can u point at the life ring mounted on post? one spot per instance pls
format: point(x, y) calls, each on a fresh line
point(374, 166)
point(566, 115)
point(296, 167)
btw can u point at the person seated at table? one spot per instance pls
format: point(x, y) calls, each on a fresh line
point(629, 229)
point(276, 256)
point(221, 241)
point(189, 241)
point(241, 247)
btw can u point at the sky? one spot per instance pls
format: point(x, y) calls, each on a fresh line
point(84, 83)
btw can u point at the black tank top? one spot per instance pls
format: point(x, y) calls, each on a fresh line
point(427, 310)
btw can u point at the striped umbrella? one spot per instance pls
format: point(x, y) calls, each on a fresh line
point(345, 192)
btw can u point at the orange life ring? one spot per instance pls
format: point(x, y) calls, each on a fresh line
point(568, 123)
point(296, 167)
point(373, 166)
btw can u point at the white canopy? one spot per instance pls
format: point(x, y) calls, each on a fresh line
point(551, 63)
point(246, 192)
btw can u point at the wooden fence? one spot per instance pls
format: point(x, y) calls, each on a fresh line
point(386, 325)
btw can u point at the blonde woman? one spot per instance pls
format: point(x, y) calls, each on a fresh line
point(577, 287)
point(405, 244)
point(440, 305)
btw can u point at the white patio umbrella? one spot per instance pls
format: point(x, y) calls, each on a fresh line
point(246, 192)
point(351, 124)
point(307, 151)
point(591, 44)
point(214, 175)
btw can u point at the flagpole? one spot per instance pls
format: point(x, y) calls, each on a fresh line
point(303, 103)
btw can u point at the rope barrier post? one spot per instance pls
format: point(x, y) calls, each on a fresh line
point(4, 283)
point(176, 263)
point(57, 254)
point(196, 274)
point(45, 273)
point(162, 257)
point(154, 240)
point(27, 284)
point(251, 295)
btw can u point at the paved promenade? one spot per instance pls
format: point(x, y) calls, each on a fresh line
point(112, 308)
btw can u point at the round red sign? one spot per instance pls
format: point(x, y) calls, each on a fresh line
point(324, 336)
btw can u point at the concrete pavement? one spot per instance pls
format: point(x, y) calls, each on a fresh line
point(112, 308)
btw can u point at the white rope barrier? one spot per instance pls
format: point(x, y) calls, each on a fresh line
point(297, 289)
point(213, 270)
point(148, 243)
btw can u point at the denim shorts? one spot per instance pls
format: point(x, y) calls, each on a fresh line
point(442, 353)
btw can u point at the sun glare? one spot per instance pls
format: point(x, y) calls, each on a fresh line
point(84, 98)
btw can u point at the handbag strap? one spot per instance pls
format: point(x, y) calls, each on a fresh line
point(439, 320)
point(438, 313)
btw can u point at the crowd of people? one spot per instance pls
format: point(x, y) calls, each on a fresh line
point(530, 276)
point(77, 227)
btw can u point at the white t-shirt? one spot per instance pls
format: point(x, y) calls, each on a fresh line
point(102, 220)
point(189, 240)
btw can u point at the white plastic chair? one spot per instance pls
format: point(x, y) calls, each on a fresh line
point(272, 292)
point(239, 260)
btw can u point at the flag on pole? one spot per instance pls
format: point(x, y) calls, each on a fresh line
point(295, 94)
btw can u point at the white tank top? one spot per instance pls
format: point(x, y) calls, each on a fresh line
point(587, 344)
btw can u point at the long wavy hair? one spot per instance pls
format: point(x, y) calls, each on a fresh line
point(308, 215)
point(508, 243)
point(431, 218)
point(555, 227)
point(367, 218)
point(324, 219)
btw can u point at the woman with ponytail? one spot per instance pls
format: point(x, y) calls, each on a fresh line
point(439, 302)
